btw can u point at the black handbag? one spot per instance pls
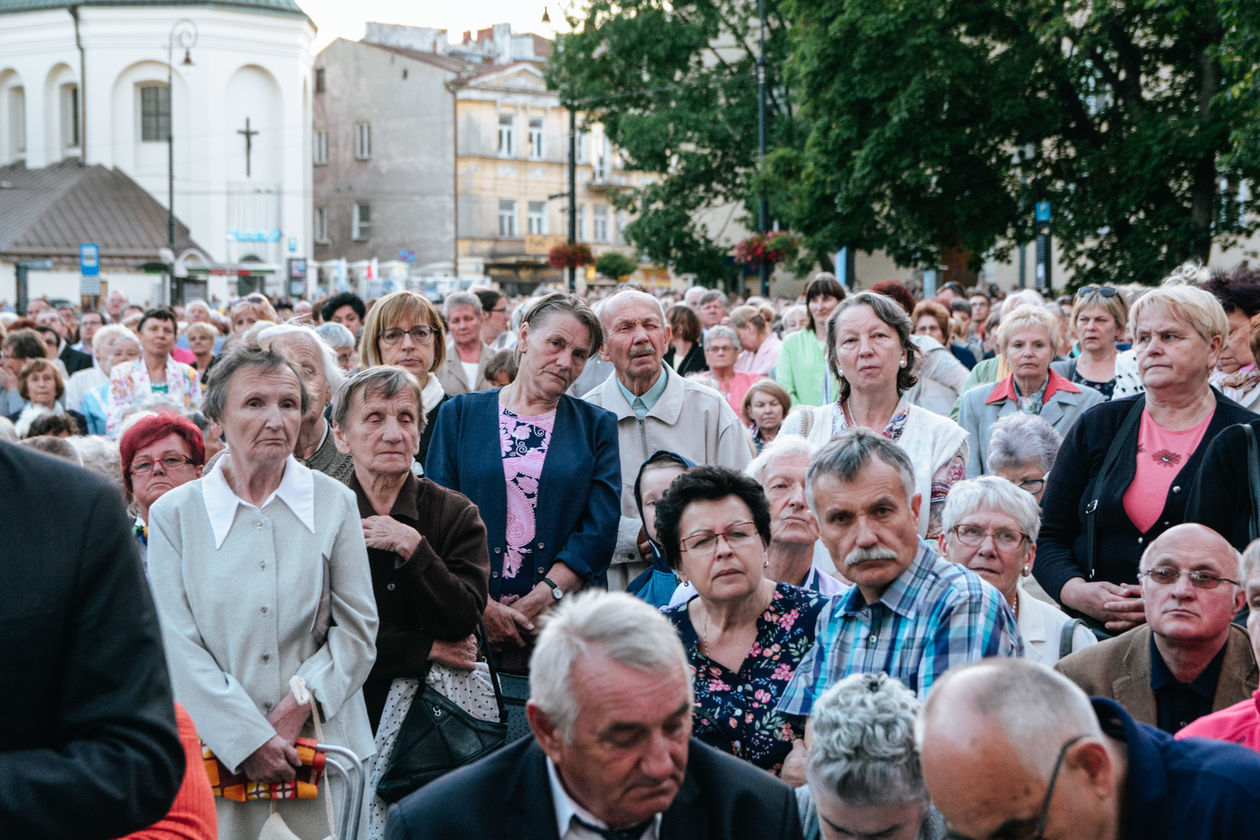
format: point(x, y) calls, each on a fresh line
point(438, 736)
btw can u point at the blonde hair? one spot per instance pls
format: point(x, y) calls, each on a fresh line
point(1027, 316)
point(1189, 304)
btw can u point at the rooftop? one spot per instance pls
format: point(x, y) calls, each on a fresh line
point(275, 7)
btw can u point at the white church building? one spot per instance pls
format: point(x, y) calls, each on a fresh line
point(106, 82)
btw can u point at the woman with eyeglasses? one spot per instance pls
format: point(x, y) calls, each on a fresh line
point(1022, 449)
point(1128, 467)
point(744, 633)
point(721, 350)
point(1099, 315)
point(158, 454)
point(544, 470)
point(405, 330)
point(991, 528)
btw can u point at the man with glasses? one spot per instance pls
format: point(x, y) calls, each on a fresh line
point(910, 613)
point(1012, 751)
point(1188, 659)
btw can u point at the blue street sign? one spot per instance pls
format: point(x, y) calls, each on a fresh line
point(1043, 211)
point(407, 256)
point(89, 259)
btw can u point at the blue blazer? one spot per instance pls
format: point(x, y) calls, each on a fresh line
point(579, 501)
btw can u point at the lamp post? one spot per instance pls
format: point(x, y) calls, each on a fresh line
point(763, 204)
point(184, 32)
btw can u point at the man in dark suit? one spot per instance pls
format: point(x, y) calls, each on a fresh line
point(1189, 659)
point(612, 757)
point(88, 744)
point(73, 359)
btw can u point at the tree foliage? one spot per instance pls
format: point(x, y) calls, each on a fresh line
point(675, 86)
point(1135, 112)
point(615, 265)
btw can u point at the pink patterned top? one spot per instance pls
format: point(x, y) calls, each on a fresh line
point(523, 444)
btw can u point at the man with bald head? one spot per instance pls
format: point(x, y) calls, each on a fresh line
point(656, 409)
point(1188, 659)
point(1009, 749)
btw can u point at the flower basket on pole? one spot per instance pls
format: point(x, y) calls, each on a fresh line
point(769, 248)
point(570, 256)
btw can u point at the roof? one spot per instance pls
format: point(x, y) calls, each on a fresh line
point(49, 212)
point(446, 62)
point(274, 7)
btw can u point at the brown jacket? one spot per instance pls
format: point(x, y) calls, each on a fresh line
point(1120, 669)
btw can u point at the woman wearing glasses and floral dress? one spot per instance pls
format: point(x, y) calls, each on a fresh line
point(744, 633)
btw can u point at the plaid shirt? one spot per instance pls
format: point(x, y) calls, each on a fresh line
point(934, 616)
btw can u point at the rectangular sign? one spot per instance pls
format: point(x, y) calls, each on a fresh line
point(407, 256)
point(1043, 211)
point(89, 259)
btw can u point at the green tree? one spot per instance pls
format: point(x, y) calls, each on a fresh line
point(1134, 113)
point(615, 265)
point(675, 86)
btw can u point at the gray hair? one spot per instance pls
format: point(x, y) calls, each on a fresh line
point(891, 313)
point(994, 493)
point(552, 303)
point(239, 359)
point(712, 295)
point(621, 627)
point(720, 331)
point(455, 299)
point(54, 446)
point(863, 751)
point(849, 453)
point(333, 374)
point(1250, 562)
point(386, 381)
point(337, 336)
point(100, 455)
point(8, 431)
point(783, 446)
point(1019, 439)
point(107, 335)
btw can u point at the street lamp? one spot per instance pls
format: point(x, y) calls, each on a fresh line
point(763, 204)
point(184, 32)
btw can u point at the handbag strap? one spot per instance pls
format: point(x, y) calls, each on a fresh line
point(1113, 452)
point(303, 694)
point(1253, 474)
point(483, 643)
point(1066, 635)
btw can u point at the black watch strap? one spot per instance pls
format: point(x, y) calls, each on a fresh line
point(556, 591)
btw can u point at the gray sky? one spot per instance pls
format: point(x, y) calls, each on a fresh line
point(345, 18)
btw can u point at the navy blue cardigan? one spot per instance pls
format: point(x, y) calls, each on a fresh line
point(579, 502)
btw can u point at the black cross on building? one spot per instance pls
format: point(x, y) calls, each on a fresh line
point(249, 143)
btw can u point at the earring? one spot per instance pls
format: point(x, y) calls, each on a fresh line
point(903, 362)
point(1027, 570)
point(765, 564)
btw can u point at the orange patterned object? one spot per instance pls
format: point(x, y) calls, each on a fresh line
point(237, 787)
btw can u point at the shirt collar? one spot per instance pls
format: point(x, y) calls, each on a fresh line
point(1203, 685)
point(296, 490)
point(566, 808)
point(650, 396)
point(1005, 389)
point(902, 595)
point(431, 394)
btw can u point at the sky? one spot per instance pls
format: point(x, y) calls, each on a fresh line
point(346, 18)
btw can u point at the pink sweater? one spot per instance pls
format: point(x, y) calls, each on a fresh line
point(1238, 724)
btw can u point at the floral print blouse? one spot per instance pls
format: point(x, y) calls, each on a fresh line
point(737, 712)
point(523, 443)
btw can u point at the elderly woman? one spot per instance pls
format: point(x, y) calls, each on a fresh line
point(405, 330)
point(657, 583)
point(870, 349)
point(341, 340)
point(123, 347)
point(1236, 374)
point(41, 385)
point(315, 447)
point(765, 405)
point(932, 319)
point(549, 493)
point(1022, 449)
point(721, 349)
point(249, 311)
point(154, 373)
point(1027, 336)
point(686, 351)
point(260, 574)
point(761, 346)
point(991, 528)
point(864, 779)
point(802, 369)
point(1099, 316)
point(201, 340)
point(793, 319)
point(1127, 468)
point(158, 453)
point(19, 346)
point(744, 633)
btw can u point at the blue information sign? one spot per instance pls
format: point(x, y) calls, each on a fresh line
point(1043, 211)
point(89, 259)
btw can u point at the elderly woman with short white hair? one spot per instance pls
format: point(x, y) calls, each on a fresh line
point(1022, 449)
point(991, 528)
point(1027, 337)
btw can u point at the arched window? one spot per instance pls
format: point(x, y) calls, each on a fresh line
point(155, 113)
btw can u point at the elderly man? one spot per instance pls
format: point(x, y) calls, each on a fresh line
point(1188, 659)
point(656, 409)
point(464, 370)
point(1011, 749)
point(712, 309)
point(115, 304)
point(73, 360)
point(89, 322)
point(910, 613)
point(610, 708)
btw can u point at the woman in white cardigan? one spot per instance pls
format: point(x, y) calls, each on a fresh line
point(260, 573)
point(871, 353)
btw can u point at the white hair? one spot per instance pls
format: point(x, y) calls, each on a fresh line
point(7, 431)
point(107, 335)
point(1249, 563)
point(721, 331)
point(995, 493)
point(1020, 298)
point(783, 446)
point(100, 454)
point(270, 334)
point(617, 625)
point(1019, 439)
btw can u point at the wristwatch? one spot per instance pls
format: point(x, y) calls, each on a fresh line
point(556, 591)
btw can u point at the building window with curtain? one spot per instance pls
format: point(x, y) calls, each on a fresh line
point(536, 138)
point(362, 141)
point(538, 218)
point(600, 234)
point(361, 224)
point(319, 154)
point(507, 135)
point(155, 113)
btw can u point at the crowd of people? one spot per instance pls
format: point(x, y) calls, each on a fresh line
point(874, 547)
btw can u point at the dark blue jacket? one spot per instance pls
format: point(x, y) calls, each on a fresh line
point(579, 502)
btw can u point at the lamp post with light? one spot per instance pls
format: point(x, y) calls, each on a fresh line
point(184, 33)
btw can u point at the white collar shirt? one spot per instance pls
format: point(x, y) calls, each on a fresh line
point(296, 490)
point(566, 809)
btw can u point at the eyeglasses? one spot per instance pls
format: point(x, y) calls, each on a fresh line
point(1003, 538)
point(420, 335)
point(499, 311)
point(737, 536)
point(1032, 485)
point(1105, 291)
point(1199, 579)
point(170, 462)
point(1044, 815)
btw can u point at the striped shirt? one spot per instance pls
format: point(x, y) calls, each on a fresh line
point(934, 616)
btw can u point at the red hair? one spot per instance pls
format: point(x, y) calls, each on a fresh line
point(896, 291)
point(150, 430)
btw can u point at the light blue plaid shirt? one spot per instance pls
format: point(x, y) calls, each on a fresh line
point(934, 616)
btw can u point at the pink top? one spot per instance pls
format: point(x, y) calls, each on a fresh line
point(1238, 724)
point(1160, 456)
point(735, 389)
point(523, 444)
point(761, 362)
